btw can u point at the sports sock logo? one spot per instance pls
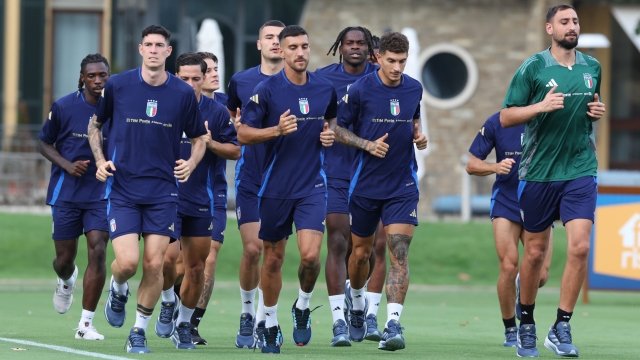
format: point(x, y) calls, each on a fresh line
point(358, 296)
point(395, 313)
point(552, 83)
point(413, 213)
point(248, 302)
point(337, 308)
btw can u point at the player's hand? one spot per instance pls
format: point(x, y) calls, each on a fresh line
point(183, 170)
point(206, 137)
point(77, 168)
point(103, 172)
point(418, 138)
point(596, 108)
point(553, 101)
point(236, 120)
point(327, 136)
point(378, 148)
point(287, 124)
point(504, 166)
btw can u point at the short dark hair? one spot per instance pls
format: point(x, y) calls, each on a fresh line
point(395, 42)
point(376, 42)
point(156, 29)
point(293, 31)
point(276, 23)
point(208, 55)
point(554, 9)
point(190, 58)
point(90, 59)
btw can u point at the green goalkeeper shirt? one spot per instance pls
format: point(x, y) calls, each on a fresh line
point(557, 146)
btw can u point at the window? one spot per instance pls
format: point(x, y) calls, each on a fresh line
point(449, 75)
point(75, 35)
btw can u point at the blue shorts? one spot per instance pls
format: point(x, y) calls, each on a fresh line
point(193, 226)
point(337, 196)
point(247, 203)
point(70, 223)
point(129, 218)
point(543, 203)
point(278, 215)
point(365, 213)
point(219, 224)
point(499, 210)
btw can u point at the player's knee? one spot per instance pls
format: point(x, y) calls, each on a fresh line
point(337, 245)
point(97, 256)
point(195, 271)
point(310, 259)
point(361, 254)
point(579, 249)
point(508, 269)
point(252, 252)
point(153, 266)
point(128, 269)
point(272, 261)
point(168, 267)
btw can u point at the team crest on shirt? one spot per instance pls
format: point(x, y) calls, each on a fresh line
point(304, 105)
point(395, 107)
point(588, 80)
point(152, 108)
point(112, 225)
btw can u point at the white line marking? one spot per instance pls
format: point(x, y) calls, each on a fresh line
point(64, 349)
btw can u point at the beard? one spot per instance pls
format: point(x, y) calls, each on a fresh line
point(568, 44)
point(297, 67)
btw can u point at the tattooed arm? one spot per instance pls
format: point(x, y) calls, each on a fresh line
point(95, 141)
point(376, 148)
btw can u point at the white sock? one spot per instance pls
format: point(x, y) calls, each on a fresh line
point(303, 299)
point(184, 315)
point(394, 310)
point(337, 303)
point(374, 302)
point(119, 288)
point(248, 298)
point(260, 312)
point(86, 318)
point(168, 295)
point(358, 296)
point(142, 321)
point(70, 281)
point(271, 313)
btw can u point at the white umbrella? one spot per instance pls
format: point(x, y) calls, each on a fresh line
point(210, 40)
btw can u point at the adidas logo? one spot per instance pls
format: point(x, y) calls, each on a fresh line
point(528, 328)
point(267, 314)
point(552, 83)
point(413, 213)
point(248, 302)
point(378, 304)
point(81, 334)
point(254, 98)
point(171, 227)
point(337, 308)
point(395, 313)
point(199, 318)
point(210, 227)
point(524, 313)
point(358, 296)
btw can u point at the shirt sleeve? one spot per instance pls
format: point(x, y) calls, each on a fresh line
point(484, 142)
point(233, 102)
point(51, 127)
point(226, 131)
point(521, 87)
point(332, 109)
point(416, 114)
point(104, 109)
point(349, 108)
point(256, 109)
point(193, 125)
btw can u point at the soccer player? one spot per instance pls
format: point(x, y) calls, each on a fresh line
point(384, 182)
point(149, 110)
point(555, 94)
point(74, 194)
point(212, 79)
point(248, 178)
point(355, 47)
point(505, 214)
point(290, 113)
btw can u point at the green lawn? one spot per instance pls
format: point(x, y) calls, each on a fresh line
point(441, 253)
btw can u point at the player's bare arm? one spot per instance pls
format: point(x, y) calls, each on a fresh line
point(327, 136)
point(376, 148)
point(596, 108)
point(184, 168)
point(95, 141)
point(516, 115)
point(479, 167)
point(76, 168)
point(248, 135)
point(418, 137)
point(224, 150)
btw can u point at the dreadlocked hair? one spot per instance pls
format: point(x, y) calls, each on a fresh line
point(367, 35)
point(90, 59)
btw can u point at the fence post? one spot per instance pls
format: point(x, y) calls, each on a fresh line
point(465, 196)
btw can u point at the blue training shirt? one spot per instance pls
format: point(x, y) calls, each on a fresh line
point(293, 163)
point(373, 109)
point(241, 86)
point(144, 142)
point(225, 132)
point(222, 98)
point(338, 158)
point(66, 127)
point(508, 144)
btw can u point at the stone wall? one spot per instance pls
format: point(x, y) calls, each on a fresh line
point(500, 35)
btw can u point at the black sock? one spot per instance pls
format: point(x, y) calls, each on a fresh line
point(176, 289)
point(562, 316)
point(509, 323)
point(197, 316)
point(527, 314)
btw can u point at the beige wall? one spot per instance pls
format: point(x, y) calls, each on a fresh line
point(500, 35)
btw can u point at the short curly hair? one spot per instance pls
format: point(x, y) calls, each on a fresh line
point(395, 42)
